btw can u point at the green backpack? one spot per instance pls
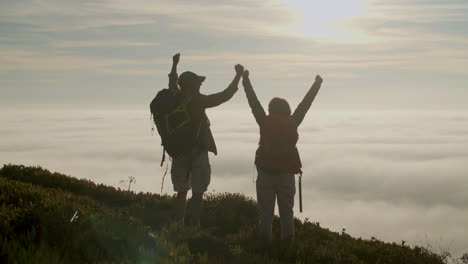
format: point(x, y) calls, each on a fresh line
point(179, 134)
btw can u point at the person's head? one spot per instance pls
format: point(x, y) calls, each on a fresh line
point(279, 106)
point(190, 82)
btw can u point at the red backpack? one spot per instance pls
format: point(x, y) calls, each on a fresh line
point(277, 147)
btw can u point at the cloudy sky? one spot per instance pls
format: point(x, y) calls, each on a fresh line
point(385, 146)
point(371, 53)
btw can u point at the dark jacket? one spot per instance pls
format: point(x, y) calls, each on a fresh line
point(277, 146)
point(197, 106)
point(263, 159)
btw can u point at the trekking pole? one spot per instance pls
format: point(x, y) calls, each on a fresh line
point(300, 192)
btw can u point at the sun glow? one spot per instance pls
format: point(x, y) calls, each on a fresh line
point(328, 20)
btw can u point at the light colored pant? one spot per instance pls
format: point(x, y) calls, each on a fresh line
point(191, 172)
point(272, 185)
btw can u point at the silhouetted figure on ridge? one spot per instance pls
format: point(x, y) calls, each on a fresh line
point(277, 158)
point(193, 171)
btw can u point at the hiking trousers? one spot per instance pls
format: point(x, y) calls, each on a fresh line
point(191, 172)
point(272, 186)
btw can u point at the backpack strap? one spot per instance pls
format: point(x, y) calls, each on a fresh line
point(163, 156)
point(182, 107)
point(198, 129)
point(300, 192)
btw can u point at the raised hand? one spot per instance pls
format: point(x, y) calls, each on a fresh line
point(318, 79)
point(239, 69)
point(245, 75)
point(176, 58)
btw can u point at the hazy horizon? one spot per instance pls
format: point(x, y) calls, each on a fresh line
point(392, 175)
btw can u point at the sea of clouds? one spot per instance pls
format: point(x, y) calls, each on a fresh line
point(394, 175)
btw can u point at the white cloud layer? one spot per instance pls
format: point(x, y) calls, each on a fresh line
point(393, 175)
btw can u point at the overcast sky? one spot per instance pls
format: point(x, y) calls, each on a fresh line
point(371, 53)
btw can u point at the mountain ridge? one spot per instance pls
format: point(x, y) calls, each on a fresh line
point(116, 226)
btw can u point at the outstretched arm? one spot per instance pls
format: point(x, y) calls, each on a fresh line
point(173, 76)
point(216, 99)
point(257, 109)
point(304, 106)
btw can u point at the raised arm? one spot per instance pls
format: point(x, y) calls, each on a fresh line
point(257, 109)
point(173, 76)
point(304, 106)
point(216, 99)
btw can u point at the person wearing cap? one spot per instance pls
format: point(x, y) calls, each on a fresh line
point(194, 171)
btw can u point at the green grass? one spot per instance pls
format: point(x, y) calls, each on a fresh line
point(117, 226)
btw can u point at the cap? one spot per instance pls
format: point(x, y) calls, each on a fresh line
point(190, 77)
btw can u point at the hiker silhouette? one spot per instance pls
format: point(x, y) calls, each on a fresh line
point(181, 120)
point(179, 114)
point(277, 158)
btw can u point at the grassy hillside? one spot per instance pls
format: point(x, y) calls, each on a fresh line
point(115, 226)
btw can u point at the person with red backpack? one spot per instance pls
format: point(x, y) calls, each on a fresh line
point(190, 163)
point(277, 158)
